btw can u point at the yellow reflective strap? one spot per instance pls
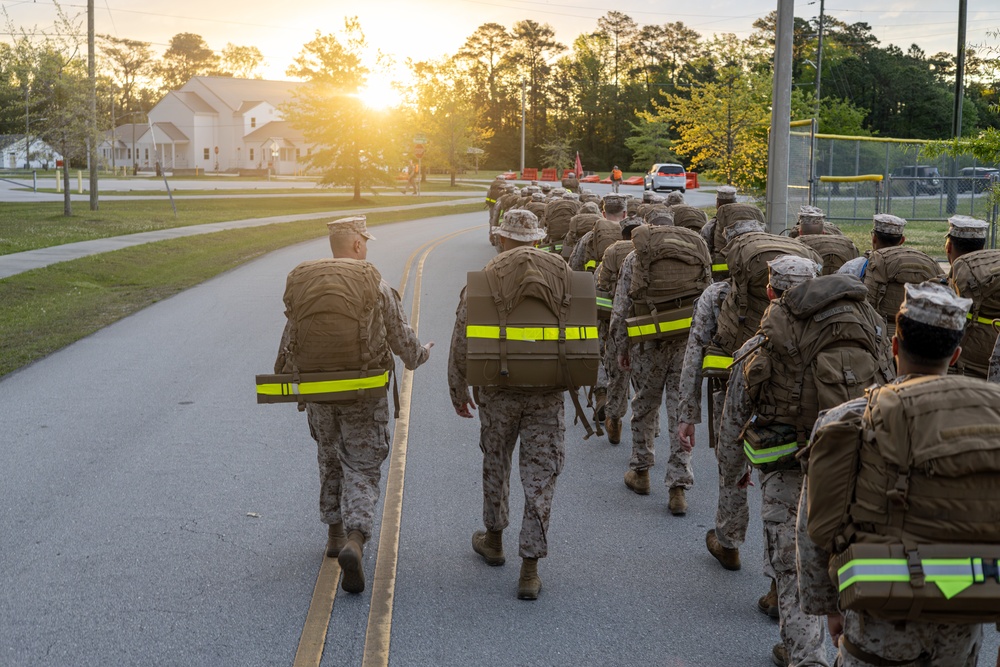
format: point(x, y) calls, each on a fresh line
point(324, 387)
point(592, 264)
point(716, 361)
point(872, 569)
point(769, 454)
point(604, 303)
point(531, 334)
point(988, 321)
point(720, 267)
point(665, 327)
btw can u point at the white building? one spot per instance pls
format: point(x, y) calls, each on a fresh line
point(213, 124)
point(14, 156)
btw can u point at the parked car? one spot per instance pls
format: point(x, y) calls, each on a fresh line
point(919, 179)
point(665, 176)
point(977, 179)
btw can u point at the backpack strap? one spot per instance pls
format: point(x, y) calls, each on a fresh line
point(502, 316)
point(564, 365)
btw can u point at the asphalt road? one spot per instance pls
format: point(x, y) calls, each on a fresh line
point(152, 513)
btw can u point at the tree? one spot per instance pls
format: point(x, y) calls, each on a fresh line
point(534, 45)
point(129, 61)
point(187, 56)
point(242, 61)
point(650, 143)
point(558, 153)
point(354, 145)
point(485, 51)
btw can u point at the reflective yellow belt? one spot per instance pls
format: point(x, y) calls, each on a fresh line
point(951, 575)
point(531, 334)
point(604, 303)
point(591, 265)
point(759, 457)
point(988, 321)
point(719, 267)
point(324, 387)
point(665, 327)
point(716, 361)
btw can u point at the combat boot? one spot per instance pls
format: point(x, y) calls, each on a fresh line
point(529, 585)
point(638, 481)
point(768, 604)
point(614, 428)
point(600, 401)
point(336, 538)
point(779, 655)
point(728, 558)
point(352, 564)
point(489, 545)
point(678, 505)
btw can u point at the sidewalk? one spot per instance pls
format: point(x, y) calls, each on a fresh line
point(13, 264)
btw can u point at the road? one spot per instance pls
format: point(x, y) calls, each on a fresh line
point(154, 514)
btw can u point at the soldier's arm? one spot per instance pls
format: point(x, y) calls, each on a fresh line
point(994, 372)
point(402, 339)
point(617, 328)
point(579, 256)
point(816, 590)
point(286, 335)
point(703, 324)
point(736, 412)
point(458, 387)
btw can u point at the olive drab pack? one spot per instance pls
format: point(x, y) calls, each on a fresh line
point(672, 268)
point(725, 217)
point(605, 234)
point(888, 270)
point(834, 250)
point(579, 225)
point(538, 208)
point(824, 344)
point(336, 348)
point(747, 257)
point(976, 276)
point(828, 230)
point(496, 187)
point(607, 276)
point(689, 217)
point(907, 497)
point(558, 213)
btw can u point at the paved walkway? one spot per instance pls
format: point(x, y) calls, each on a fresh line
point(13, 264)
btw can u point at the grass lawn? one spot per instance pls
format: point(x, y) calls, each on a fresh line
point(46, 309)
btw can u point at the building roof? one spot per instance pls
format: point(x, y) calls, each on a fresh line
point(235, 92)
point(276, 129)
point(193, 101)
point(123, 133)
point(12, 140)
point(171, 132)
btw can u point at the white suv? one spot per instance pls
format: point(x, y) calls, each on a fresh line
point(665, 176)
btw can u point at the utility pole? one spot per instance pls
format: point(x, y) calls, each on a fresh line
point(819, 56)
point(781, 112)
point(523, 90)
point(92, 121)
point(956, 120)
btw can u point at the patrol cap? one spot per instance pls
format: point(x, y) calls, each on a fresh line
point(725, 193)
point(787, 271)
point(675, 198)
point(889, 224)
point(935, 304)
point(629, 225)
point(537, 196)
point(812, 214)
point(658, 199)
point(660, 218)
point(558, 191)
point(357, 224)
point(520, 225)
point(647, 196)
point(571, 195)
point(615, 197)
point(546, 188)
point(964, 227)
point(590, 207)
point(743, 227)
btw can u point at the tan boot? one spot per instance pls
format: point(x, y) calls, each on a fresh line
point(600, 401)
point(336, 539)
point(614, 429)
point(768, 604)
point(779, 655)
point(351, 562)
point(638, 481)
point(529, 585)
point(728, 558)
point(489, 545)
point(678, 505)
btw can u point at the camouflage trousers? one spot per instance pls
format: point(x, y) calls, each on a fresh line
point(352, 441)
point(618, 388)
point(926, 644)
point(602, 372)
point(732, 514)
point(538, 420)
point(656, 374)
point(802, 634)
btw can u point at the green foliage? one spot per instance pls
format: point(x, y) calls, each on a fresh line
point(187, 56)
point(650, 143)
point(558, 153)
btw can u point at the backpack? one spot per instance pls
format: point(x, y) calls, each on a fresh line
point(828, 230)
point(579, 225)
point(672, 268)
point(496, 187)
point(888, 270)
point(606, 233)
point(558, 214)
point(689, 217)
point(913, 486)
point(616, 174)
point(976, 276)
point(747, 257)
point(607, 276)
point(724, 218)
point(834, 250)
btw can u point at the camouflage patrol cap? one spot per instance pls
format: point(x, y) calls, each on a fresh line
point(965, 227)
point(537, 196)
point(811, 214)
point(354, 225)
point(571, 195)
point(662, 218)
point(787, 271)
point(590, 207)
point(675, 198)
point(743, 227)
point(888, 224)
point(647, 196)
point(658, 199)
point(935, 304)
point(520, 225)
point(615, 197)
point(558, 191)
point(629, 225)
point(725, 193)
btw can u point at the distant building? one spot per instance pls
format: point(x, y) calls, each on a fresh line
point(14, 156)
point(213, 124)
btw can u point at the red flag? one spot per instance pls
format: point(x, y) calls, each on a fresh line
point(579, 166)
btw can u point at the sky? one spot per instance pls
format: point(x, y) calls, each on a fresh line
point(429, 29)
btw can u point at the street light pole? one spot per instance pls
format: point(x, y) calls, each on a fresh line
point(523, 88)
point(92, 123)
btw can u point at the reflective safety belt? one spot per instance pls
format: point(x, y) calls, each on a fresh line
point(591, 265)
point(759, 457)
point(664, 327)
point(324, 387)
point(531, 334)
point(951, 575)
point(604, 303)
point(719, 267)
point(716, 361)
point(988, 321)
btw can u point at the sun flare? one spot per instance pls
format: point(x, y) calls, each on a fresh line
point(380, 94)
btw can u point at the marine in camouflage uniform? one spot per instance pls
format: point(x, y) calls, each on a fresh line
point(536, 418)
point(994, 371)
point(726, 194)
point(887, 231)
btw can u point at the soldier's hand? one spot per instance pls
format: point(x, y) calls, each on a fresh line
point(745, 480)
point(428, 346)
point(624, 362)
point(835, 624)
point(685, 433)
point(465, 409)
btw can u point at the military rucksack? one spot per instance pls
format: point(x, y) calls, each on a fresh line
point(834, 250)
point(605, 234)
point(888, 270)
point(689, 217)
point(496, 187)
point(558, 214)
point(907, 495)
point(976, 276)
point(824, 344)
point(829, 229)
point(607, 276)
point(579, 225)
point(724, 219)
point(538, 208)
point(672, 267)
point(747, 257)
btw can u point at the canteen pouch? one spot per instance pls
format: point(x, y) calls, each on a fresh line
point(772, 447)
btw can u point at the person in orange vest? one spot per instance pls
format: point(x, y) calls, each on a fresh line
point(616, 178)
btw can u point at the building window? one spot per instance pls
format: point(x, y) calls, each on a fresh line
point(147, 155)
point(206, 154)
point(253, 122)
point(129, 153)
point(251, 155)
point(298, 153)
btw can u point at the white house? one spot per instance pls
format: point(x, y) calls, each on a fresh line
point(14, 156)
point(214, 124)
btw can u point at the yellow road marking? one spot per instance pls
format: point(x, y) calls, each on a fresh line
point(310, 650)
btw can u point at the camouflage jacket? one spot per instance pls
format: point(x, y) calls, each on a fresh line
point(703, 326)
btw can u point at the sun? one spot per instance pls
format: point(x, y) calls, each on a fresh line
point(380, 94)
